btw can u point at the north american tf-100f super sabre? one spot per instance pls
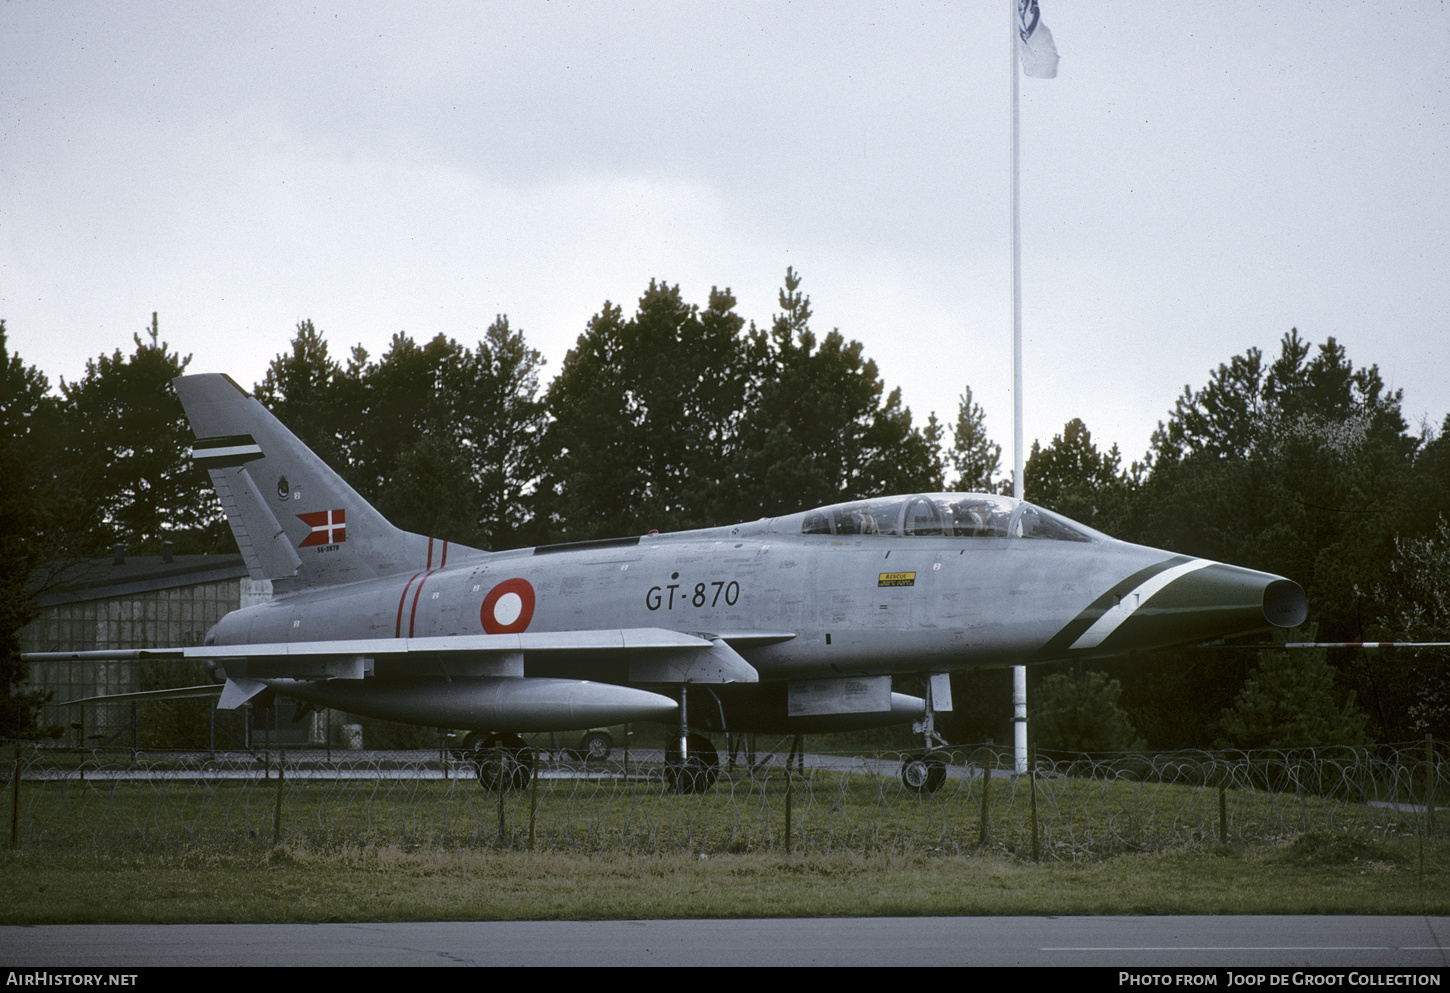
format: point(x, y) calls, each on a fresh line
point(793, 624)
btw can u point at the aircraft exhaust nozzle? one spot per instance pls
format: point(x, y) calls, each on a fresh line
point(487, 703)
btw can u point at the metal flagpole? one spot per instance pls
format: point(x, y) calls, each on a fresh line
point(1019, 672)
point(1030, 38)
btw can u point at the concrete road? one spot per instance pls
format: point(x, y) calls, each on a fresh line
point(1413, 943)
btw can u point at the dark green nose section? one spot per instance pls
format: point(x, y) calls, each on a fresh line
point(1187, 602)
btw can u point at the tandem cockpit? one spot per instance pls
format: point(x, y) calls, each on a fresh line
point(945, 515)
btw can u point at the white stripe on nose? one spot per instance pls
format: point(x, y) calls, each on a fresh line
point(1132, 600)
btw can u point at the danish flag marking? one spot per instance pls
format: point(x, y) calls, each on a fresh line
point(329, 527)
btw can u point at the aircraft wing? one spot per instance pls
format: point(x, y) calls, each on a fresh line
point(657, 654)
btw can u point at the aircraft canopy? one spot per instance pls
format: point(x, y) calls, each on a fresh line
point(951, 515)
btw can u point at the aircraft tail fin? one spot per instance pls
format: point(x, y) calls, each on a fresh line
point(296, 521)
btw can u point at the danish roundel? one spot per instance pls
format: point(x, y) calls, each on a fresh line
point(508, 607)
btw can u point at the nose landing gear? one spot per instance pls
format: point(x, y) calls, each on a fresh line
point(924, 774)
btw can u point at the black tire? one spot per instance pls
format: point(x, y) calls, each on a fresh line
point(923, 773)
point(502, 761)
point(699, 770)
point(597, 745)
point(474, 741)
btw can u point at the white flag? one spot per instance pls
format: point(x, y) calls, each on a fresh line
point(1039, 54)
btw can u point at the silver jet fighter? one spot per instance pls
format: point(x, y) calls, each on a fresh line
point(793, 624)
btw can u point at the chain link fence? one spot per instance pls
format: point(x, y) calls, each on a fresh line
point(1065, 808)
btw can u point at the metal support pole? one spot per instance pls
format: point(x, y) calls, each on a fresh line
point(684, 761)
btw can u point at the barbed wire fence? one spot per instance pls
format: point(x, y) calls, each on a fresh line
point(1067, 808)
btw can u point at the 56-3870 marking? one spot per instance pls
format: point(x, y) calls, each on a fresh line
point(701, 595)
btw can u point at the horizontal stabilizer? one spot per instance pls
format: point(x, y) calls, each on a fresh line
point(180, 693)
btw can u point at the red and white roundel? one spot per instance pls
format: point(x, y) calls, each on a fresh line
point(508, 608)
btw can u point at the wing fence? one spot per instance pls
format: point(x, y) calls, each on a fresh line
point(1067, 808)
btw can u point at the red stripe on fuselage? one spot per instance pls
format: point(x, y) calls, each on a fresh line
point(428, 570)
point(413, 614)
point(402, 599)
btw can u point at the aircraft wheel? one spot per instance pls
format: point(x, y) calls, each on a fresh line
point(474, 741)
point(597, 745)
point(923, 773)
point(503, 762)
point(698, 772)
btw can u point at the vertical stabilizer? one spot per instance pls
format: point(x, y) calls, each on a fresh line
point(296, 521)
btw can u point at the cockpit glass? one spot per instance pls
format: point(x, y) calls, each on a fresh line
point(950, 515)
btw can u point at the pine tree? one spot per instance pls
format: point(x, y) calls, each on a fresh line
point(32, 507)
point(1082, 715)
point(130, 445)
point(976, 457)
point(1073, 478)
point(1289, 702)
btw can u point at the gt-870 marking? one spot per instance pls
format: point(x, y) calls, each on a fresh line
point(667, 596)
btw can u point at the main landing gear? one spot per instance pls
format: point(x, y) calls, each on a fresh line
point(691, 763)
point(699, 769)
point(501, 761)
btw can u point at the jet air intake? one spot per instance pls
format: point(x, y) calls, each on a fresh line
point(1284, 604)
point(488, 703)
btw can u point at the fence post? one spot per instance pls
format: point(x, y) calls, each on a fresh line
point(1299, 773)
point(986, 790)
point(503, 780)
point(15, 802)
point(1222, 803)
point(789, 791)
point(1036, 852)
point(277, 810)
point(533, 801)
point(1429, 785)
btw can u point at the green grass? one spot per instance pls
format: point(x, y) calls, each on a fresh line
point(1360, 875)
point(383, 849)
point(380, 849)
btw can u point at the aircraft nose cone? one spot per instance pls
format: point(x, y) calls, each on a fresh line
point(1191, 601)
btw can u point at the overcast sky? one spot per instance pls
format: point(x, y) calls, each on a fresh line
point(1200, 177)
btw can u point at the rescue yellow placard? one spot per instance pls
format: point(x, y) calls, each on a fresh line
point(896, 579)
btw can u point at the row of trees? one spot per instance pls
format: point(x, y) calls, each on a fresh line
point(1303, 465)
point(679, 416)
point(674, 417)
